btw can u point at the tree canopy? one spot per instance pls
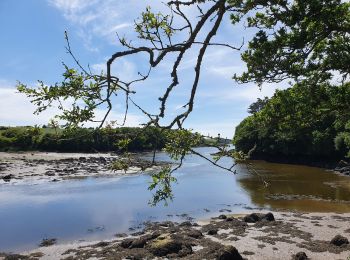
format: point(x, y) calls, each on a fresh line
point(305, 123)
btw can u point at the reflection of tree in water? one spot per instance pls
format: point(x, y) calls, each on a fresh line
point(296, 187)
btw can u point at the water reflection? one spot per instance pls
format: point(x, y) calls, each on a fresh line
point(97, 208)
point(297, 187)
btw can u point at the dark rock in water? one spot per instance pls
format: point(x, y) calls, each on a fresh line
point(300, 256)
point(344, 169)
point(229, 253)
point(48, 242)
point(212, 231)
point(195, 234)
point(251, 218)
point(222, 217)
point(343, 163)
point(339, 240)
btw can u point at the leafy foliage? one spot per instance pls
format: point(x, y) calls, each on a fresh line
point(302, 121)
point(161, 182)
point(302, 40)
point(81, 139)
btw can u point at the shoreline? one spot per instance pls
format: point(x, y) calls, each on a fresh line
point(281, 236)
point(39, 167)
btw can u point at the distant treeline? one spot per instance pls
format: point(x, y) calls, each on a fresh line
point(80, 139)
point(133, 139)
point(302, 124)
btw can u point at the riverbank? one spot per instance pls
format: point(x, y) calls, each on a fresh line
point(280, 235)
point(38, 167)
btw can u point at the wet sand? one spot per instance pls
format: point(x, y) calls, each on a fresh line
point(281, 238)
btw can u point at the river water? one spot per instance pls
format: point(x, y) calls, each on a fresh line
point(98, 208)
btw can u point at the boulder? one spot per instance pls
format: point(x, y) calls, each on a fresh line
point(269, 217)
point(195, 234)
point(229, 253)
point(300, 256)
point(339, 240)
point(212, 231)
point(7, 178)
point(126, 243)
point(138, 243)
point(165, 245)
point(251, 218)
point(222, 217)
point(185, 224)
point(255, 217)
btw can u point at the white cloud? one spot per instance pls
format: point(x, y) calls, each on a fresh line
point(16, 110)
point(246, 93)
point(102, 18)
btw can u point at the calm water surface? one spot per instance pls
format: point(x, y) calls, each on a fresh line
point(97, 208)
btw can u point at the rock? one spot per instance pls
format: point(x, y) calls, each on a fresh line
point(300, 256)
point(126, 243)
point(269, 217)
point(138, 243)
point(50, 173)
point(195, 234)
point(229, 253)
point(342, 163)
point(134, 257)
point(339, 240)
point(344, 169)
point(16, 257)
point(229, 219)
point(222, 217)
point(166, 224)
point(102, 159)
point(185, 224)
point(165, 245)
point(121, 235)
point(48, 242)
point(251, 218)
point(254, 217)
point(212, 232)
point(7, 178)
point(102, 244)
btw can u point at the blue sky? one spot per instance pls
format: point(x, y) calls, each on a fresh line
point(33, 48)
